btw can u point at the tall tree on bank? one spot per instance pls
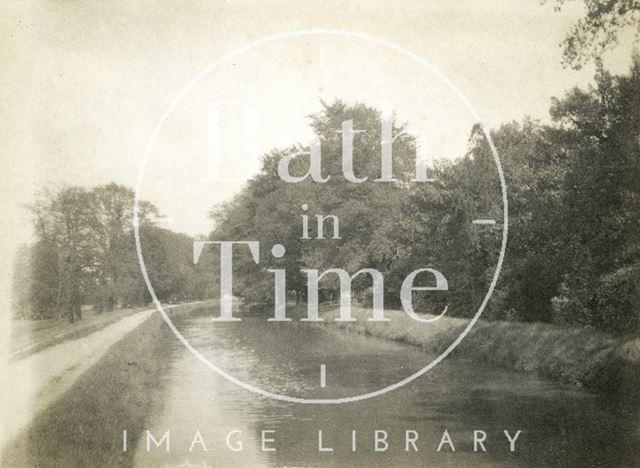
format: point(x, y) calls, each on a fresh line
point(63, 223)
point(601, 196)
point(271, 210)
point(114, 253)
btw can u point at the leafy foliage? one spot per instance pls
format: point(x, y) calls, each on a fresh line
point(599, 30)
point(574, 203)
point(85, 254)
point(574, 227)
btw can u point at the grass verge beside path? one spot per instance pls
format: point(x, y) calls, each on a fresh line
point(84, 428)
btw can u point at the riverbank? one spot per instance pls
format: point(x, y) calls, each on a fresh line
point(572, 355)
point(148, 380)
point(113, 384)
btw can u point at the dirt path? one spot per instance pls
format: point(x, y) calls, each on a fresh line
point(31, 384)
point(32, 336)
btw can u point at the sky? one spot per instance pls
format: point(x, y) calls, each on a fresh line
point(84, 84)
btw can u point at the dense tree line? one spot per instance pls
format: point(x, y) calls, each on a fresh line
point(574, 199)
point(85, 255)
point(574, 227)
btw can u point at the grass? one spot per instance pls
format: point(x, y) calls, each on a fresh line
point(573, 355)
point(84, 428)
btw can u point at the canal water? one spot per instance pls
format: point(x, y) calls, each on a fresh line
point(560, 425)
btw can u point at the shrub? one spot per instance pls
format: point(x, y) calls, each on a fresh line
point(615, 301)
point(568, 308)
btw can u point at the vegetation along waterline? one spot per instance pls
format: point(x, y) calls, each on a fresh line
point(581, 356)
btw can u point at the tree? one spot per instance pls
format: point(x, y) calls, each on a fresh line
point(270, 210)
point(22, 284)
point(599, 30)
point(85, 253)
point(63, 221)
point(601, 193)
point(115, 250)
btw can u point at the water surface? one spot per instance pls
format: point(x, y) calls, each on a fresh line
point(561, 426)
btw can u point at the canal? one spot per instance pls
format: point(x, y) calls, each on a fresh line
point(560, 425)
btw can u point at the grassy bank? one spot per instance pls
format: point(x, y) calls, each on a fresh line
point(575, 355)
point(84, 427)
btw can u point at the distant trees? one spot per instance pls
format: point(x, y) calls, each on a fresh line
point(85, 254)
point(22, 286)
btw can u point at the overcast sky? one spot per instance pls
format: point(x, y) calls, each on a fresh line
point(85, 83)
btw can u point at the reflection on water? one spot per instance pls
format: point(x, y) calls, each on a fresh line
point(560, 426)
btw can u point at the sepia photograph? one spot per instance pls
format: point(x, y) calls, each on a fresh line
point(356, 233)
